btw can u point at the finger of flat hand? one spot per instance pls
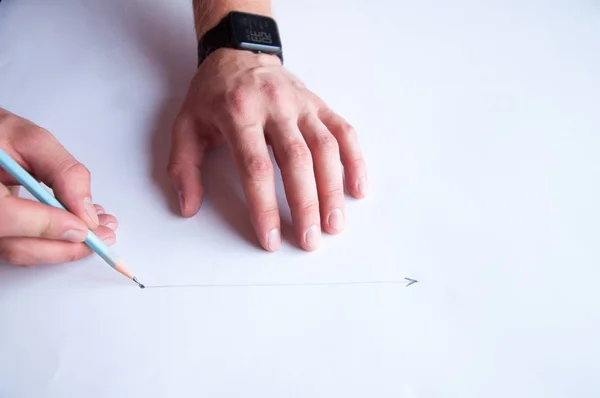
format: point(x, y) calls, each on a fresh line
point(355, 168)
point(36, 251)
point(23, 217)
point(55, 166)
point(256, 169)
point(296, 164)
point(328, 173)
point(187, 154)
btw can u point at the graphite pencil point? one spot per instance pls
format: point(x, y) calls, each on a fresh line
point(139, 284)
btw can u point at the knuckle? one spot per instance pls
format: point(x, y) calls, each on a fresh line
point(298, 155)
point(299, 85)
point(327, 143)
point(181, 123)
point(348, 130)
point(31, 134)
point(334, 190)
point(310, 206)
point(175, 170)
point(257, 167)
point(23, 130)
point(239, 99)
point(271, 89)
point(11, 254)
point(33, 131)
point(267, 213)
point(284, 114)
point(77, 170)
point(356, 162)
point(46, 226)
point(76, 255)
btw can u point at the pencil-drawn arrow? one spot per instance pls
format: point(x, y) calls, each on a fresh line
point(410, 281)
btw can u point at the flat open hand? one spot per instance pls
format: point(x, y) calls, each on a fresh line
point(250, 101)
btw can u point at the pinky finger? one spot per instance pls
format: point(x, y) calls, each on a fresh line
point(29, 252)
point(355, 169)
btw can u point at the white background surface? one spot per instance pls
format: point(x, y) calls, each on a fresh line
point(481, 127)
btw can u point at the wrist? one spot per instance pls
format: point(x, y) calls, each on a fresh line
point(208, 13)
point(226, 58)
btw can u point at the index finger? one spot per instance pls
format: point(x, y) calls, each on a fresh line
point(52, 164)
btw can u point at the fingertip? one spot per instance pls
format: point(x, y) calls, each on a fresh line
point(106, 234)
point(335, 223)
point(312, 238)
point(70, 181)
point(187, 182)
point(109, 221)
point(91, 214)
point(273, 240)
point(362, 187)
point(266, 224)
point(358, 186)
point(189, 204)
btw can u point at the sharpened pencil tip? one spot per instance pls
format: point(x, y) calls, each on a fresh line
point(139, 284)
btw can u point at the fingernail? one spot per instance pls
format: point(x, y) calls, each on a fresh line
point(99, 210)
point(363, 186)
point(274, 240)
point(109, 240)
point(91, 212)
point(181, 202)
point(112, 225)
point(312, 238)
point(75, 235)
point(336, 220)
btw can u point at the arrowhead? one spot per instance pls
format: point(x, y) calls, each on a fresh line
point(410, 281)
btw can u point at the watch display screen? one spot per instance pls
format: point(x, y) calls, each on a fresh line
point(255, 33)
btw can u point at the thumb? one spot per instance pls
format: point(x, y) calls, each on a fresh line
point(26, 218)
point(187, 154)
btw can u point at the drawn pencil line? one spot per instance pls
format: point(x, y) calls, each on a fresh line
point(411, 281)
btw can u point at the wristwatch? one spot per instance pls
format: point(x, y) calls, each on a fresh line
point(242, 31)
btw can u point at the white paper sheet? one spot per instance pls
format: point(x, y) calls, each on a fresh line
point(479, 122)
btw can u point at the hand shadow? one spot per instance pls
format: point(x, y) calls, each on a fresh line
point(223, 193)
point(160, 147)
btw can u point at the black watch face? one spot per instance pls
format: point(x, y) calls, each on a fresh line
point(255, 33)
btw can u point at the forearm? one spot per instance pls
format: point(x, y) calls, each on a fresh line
point(207, 13)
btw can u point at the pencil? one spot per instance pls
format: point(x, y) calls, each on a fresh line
point(41, 194)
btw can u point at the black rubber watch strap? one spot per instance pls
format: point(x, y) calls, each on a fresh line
point(215, 38)
point(220, 37)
